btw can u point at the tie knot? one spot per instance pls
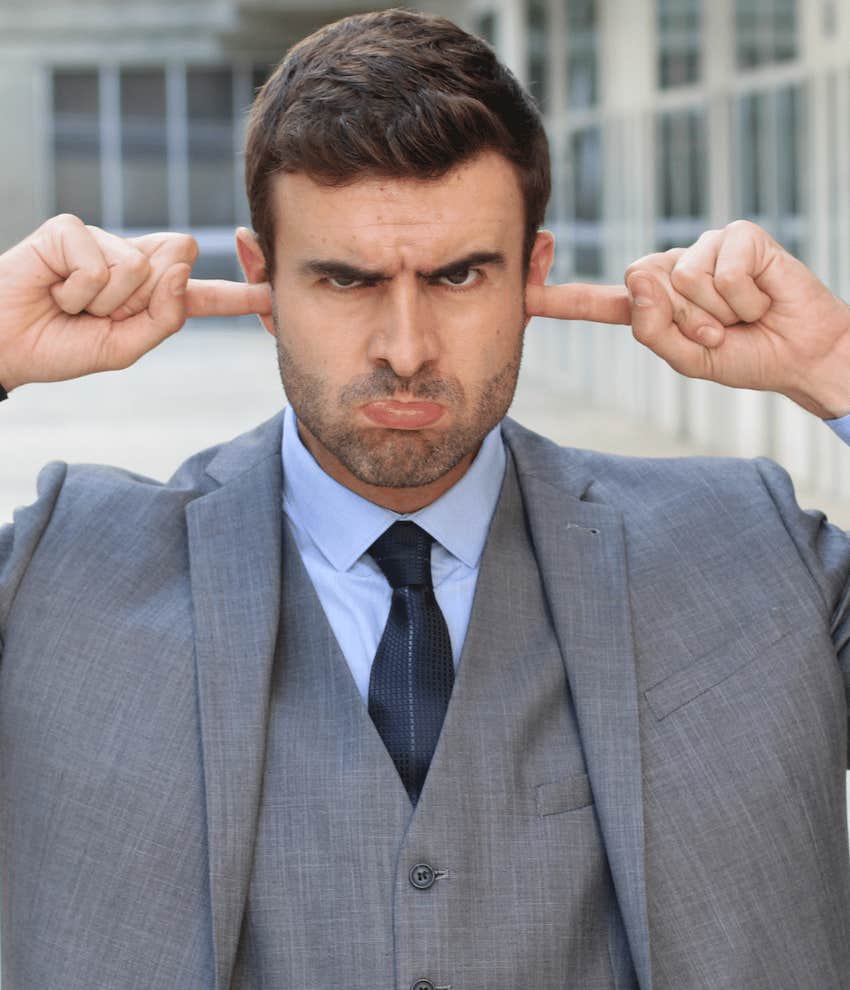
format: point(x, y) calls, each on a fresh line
point(403, 552)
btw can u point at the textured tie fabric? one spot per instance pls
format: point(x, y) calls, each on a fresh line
point(413, 673)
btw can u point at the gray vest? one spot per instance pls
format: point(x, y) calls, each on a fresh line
point(498, 879)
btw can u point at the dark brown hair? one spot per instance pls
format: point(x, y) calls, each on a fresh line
point(392, 94)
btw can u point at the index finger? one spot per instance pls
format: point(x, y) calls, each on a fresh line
point(218, 297)
point(580, 301)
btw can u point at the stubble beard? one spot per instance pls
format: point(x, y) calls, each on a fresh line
point(397, 458)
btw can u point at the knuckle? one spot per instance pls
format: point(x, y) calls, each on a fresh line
point(133, 305)
point(727, 279)
point(741, 225)
point(185, 247)
point(93, 276)
point(681, 314)
point(709, 235)
point(139, 264)
point(65, 220)
point(649, 262)
point(685, 275)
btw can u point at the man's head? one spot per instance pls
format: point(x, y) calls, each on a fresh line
point(396, 216)
point(393, 94)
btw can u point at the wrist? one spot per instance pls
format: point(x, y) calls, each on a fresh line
point(825, 389)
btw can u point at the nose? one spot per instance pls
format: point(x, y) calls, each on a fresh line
point(405, 336)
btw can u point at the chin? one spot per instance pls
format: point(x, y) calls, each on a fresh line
point(390, 458)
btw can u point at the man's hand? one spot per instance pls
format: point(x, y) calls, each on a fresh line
point(738, 309)
point(75, 300)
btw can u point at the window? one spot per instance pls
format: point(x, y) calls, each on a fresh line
point(766, 31)
point(212, 175)
point(580, 179)
point(76, 144)
point(585, 201)
point(770, 173)
point(167, 146)
point(582, 59)
point(829, 18)
point(538, 52)
point(681, 179)
point(144, 148)
point(679, 42)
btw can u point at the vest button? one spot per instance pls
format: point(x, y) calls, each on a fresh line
point(422, 877)
point(422, 985)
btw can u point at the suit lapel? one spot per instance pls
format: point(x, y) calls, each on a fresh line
point(580, 549)
point(235, 563)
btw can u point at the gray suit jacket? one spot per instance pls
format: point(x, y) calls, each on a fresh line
point(703, 621)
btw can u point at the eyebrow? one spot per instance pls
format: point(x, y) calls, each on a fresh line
point(331, 268)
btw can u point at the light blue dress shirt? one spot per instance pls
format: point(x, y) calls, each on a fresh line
point(333, 527)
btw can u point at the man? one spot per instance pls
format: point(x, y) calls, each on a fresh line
point(390, 691)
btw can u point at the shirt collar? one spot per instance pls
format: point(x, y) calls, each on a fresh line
point(343, 525)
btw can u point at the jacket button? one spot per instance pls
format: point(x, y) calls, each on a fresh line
point(422, 877)
point(422, 985)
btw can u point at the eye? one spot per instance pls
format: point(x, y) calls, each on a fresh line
point(463, 278)
point(345, 282)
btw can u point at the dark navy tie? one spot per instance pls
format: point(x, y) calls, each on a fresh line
point(413, 673)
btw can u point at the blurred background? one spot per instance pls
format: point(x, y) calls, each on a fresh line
point(666, 117)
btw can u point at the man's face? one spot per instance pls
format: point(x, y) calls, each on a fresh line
point(399, 318)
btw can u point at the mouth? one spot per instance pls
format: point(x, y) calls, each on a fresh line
point(396, 415)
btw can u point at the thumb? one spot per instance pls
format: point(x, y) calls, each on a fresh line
point(166, 313)
point(167, 307)
point(653, 325)
point(652, 310)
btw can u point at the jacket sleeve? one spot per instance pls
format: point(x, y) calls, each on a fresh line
point(825, 551)
point(20, 538)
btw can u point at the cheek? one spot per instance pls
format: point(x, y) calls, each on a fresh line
point(495, 343)
point(306, 331)
point(328, 351)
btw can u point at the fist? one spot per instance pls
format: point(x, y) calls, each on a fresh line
point(75, 299)
point(738, 309)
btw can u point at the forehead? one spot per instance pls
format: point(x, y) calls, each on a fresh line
point(478, 199)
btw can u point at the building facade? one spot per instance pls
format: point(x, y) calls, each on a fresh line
point(666, 117)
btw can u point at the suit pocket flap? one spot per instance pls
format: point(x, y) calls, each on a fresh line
point(566, 794)
point(748, 643)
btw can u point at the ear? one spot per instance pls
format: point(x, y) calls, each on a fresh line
point(540, 263)
point(253, 265)
point(542, 256)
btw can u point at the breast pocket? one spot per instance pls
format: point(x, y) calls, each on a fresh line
point(750, 641)
point(566, 794)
